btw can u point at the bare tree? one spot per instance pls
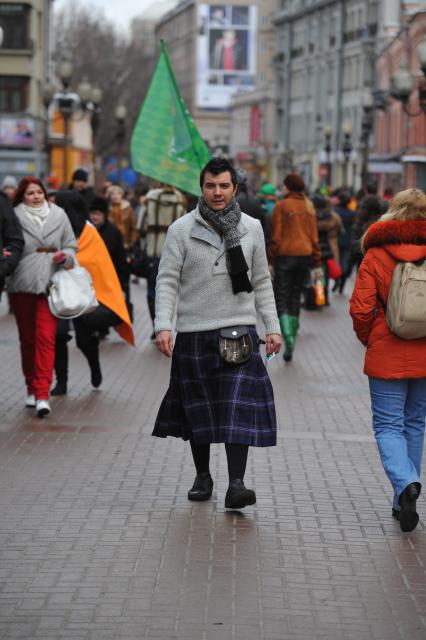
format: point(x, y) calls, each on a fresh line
point(98, 52)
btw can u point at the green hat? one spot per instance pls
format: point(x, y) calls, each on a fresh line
point(267, 189)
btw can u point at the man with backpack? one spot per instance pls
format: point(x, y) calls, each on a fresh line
point(389, 314)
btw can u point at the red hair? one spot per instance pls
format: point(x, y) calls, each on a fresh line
point(23, 186)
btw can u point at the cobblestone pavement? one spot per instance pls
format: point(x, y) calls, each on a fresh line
point(99, 542)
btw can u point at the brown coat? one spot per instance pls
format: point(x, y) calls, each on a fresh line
point(387, 243)
point(333, 226)
point(123, 216)
point(294, 229)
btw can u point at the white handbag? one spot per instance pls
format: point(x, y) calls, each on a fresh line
point(71, 293)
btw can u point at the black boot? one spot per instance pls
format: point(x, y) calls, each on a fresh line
point(61, 368)
point(91, 351)
point(238, 496)
point(202, 488)
point(408, 516)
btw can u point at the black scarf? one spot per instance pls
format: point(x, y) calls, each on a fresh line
point(226, 222)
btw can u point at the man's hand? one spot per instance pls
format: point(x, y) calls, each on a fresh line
point(164, 342)
point(273, 343)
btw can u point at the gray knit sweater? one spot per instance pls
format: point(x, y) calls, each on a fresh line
point(194, 276)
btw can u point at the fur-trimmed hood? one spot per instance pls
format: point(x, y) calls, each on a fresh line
point(388, 232)
point(403, 239)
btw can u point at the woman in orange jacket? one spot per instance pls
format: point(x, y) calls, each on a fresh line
point(293, 250)
point(93, 255)
point(396, 367)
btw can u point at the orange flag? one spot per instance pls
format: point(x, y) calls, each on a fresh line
point(93, 255)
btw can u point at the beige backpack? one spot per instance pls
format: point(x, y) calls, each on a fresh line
point(406, 305)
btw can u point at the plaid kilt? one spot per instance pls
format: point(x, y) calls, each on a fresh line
point(209, 400)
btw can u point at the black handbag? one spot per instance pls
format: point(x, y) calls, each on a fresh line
point(235, 344)
point(139, 261)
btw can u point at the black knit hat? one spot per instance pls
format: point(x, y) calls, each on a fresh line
point(294, 182)
point(80, 174)
point(99, 204)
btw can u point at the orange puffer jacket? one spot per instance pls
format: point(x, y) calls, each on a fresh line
point(387, 243)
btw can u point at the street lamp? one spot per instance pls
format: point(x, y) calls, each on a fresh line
point(403, 84)
point(69, 102)
point(120, 116)
point(346, 148)
point(327, 147)
point(366, 128)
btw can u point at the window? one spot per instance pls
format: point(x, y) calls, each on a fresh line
point(13, 93)
point(14, 19)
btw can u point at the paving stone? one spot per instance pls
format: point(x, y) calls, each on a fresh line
point(99, 541)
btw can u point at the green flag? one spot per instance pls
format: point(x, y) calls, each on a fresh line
point(166, 145)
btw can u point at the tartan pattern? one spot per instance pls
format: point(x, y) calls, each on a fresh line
point(210, 401)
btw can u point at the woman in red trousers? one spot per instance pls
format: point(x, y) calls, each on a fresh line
point(49, 245)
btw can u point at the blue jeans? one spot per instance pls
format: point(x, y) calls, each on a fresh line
point(399, 410)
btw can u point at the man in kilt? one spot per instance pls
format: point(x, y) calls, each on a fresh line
point(214, 268)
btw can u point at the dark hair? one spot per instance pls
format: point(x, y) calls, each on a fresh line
point(372, 188)
point(344, 198)
point(217, 166)
point(99, 204)
point(23, 186)
point(74, 206)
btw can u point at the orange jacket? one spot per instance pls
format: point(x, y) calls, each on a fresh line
point(294, 229)
point(387, 243)
point(93, 256)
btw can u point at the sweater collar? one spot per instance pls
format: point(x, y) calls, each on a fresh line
point(203, 231)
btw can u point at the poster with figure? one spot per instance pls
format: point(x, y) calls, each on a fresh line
point(226, 53)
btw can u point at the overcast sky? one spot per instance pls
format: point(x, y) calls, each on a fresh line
point(120, 11)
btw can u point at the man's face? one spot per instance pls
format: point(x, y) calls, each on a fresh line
point(97, 218)
point(218, 191)
point(9, 191)
point(79, 185)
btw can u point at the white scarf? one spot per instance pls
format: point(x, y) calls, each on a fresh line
point(39, 215)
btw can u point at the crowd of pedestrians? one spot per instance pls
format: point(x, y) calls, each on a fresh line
point(212, 267)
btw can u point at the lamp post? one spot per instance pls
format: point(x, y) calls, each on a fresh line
point(68, 102)
point(120, 116)
point(403, 84)
point(366, 128)
point(327, 148)
point(346, 148)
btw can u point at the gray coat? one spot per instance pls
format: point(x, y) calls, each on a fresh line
point(35, 270)
point(193, 274)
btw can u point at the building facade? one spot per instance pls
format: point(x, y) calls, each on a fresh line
point(219, 51)
point(398, 159)
point(325, 73)
point(24, 65)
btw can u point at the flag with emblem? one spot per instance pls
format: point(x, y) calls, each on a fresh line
point(166, 144)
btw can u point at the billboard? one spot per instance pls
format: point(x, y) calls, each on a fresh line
point(226, 53)
point(16, 132)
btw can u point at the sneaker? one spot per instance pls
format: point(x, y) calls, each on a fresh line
point(30, 400)
point(42, 408)
point(238, 496)
point(202, 488)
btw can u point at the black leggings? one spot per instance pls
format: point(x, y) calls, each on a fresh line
point(236, 455)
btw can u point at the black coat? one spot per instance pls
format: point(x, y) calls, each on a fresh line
point(114, 243)
point(11, 238)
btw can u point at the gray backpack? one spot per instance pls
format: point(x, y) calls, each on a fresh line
point(406, 305)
